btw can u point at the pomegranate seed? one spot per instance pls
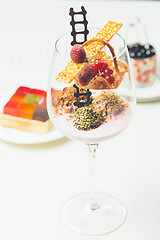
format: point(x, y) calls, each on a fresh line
point(107, 72)
point(99, 64)
point(110, 79)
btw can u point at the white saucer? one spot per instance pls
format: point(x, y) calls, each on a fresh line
point(144, 94)
point(150, 93)
point(22, 137)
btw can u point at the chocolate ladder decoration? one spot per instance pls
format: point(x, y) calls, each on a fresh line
point(73, 23)
point(77, 94)
point(78, 103)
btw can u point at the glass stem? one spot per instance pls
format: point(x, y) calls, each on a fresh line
point(93, 205)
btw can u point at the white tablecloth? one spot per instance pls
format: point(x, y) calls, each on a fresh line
point(35, 180)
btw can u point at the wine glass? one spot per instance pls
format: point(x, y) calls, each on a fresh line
point(91, 213)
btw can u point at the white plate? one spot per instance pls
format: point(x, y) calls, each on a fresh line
point(22, 137)
point(145, 94)
point(150, 93)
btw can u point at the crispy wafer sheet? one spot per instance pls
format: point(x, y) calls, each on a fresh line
point(72, 69)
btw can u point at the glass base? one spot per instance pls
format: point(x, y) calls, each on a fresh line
point(108, 216)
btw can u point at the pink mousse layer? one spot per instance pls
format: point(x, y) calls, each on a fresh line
point(106, 130)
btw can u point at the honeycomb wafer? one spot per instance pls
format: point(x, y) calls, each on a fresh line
point(99, 82)
point(72, 69)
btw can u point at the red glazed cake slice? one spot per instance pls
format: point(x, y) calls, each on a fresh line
point(26, 110)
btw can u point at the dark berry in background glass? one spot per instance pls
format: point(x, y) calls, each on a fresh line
point(140, 51)
point(147, 46)
point(137, 47)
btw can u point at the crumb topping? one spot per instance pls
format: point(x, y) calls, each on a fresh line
point(66, 99)
point(109, 103)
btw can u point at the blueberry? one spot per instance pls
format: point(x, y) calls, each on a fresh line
point(142, 50)
point(129, 47)
point(153, 52)
point(151, 47)
point(143, 53)
point(132, 54)
point(137, 45)
point(147, 46)
point(135, 50)
point(148, 52)
point(139, 55)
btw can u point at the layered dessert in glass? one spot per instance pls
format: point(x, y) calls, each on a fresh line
point(85, 102)
point(89, 108)
point(144, 63)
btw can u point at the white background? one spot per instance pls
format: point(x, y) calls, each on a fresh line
point(35, 180)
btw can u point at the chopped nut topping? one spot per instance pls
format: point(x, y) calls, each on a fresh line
point(109, 103)
point(85, 118)
point(66, 99)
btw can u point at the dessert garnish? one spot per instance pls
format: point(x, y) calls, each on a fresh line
point(143, 59)
point(79, 103)
point(99, 82)
point(85, 118)
point(86, 75)
point(66, 99)
point(101, 69)
point(109, 103)
point(84, 23)
point(99, 66)
point(105, 43)
point(110, 69)
point(72, 69)
point(78, 54)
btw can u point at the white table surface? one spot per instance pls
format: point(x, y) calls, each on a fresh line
point(35, 180)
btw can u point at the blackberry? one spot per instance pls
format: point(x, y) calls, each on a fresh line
point(86, 75)
point(137, 45)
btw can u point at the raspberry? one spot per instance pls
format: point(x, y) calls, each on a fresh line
point(78, 54)
point(86, 75)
